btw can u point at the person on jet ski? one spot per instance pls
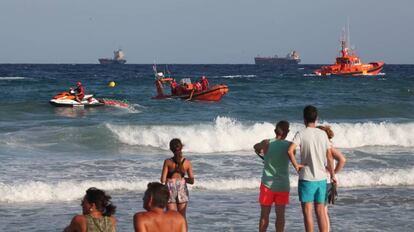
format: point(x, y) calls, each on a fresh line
point(79, 92)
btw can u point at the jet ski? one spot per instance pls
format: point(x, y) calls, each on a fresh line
point(67, 99)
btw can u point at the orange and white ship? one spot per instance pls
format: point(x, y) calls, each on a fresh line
point(349, 64)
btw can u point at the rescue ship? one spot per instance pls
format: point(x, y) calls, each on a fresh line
point(118, 58)
point(349, 64)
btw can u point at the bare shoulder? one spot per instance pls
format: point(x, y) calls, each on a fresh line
point(141, 216)
point(78, 223)
point(168, 163)
point(79, 219)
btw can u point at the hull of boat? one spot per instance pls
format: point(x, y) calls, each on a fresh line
point(213, 94)
point(111, 61)
point(65, 99)
point(73, 103)
point(275, 61)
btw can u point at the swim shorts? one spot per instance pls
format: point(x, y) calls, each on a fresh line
point(178, 191)
point(312, 191)
point(267, 197)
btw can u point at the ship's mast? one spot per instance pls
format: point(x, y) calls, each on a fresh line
point(344, 47)
point(348, 33)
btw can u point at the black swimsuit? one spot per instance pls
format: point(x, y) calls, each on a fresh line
point(170, 174)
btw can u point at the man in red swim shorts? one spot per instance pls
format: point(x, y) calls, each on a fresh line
point(275, 185)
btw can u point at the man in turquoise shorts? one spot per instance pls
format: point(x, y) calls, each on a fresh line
point(275, 178)
point(315, 153)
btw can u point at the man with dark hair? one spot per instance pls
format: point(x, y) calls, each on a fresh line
point(274, 186)
point(315, 153)
point(156, 219)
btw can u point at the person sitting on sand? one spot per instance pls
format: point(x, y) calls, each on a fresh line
point(156, 219)
point(173, 175)
point(341, 160)
point(97, 213)
point(275, 178)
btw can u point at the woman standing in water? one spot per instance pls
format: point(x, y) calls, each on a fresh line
point(173, 175)
point(97, 213)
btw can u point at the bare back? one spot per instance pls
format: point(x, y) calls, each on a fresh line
point(169, 221)
point(170, 167)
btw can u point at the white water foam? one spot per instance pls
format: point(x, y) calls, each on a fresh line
point(351, 135)
point(11, 78)
point(309, 75)
point(237, 76)
point(36, 191)
point(227, 134)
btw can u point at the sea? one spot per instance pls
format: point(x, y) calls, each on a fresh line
point(50, 155)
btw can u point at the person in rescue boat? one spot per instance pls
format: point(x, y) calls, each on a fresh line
point(173, 87)
point(204, 83)
point(79, 92)
point(198, 87)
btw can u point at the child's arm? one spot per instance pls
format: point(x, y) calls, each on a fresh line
point(338, 156)
point(291, 153)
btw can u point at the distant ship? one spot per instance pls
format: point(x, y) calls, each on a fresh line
point(118, 58)
point(290, 59)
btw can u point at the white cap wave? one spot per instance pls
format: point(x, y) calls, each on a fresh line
point(37, 191)
point(227, 134)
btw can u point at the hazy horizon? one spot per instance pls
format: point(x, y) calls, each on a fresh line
point(201, 32)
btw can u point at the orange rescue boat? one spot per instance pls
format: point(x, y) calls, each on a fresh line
point(349, 64)
point(188, 91)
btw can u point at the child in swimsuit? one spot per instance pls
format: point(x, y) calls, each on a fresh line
point(173, 175)
point(340, 158)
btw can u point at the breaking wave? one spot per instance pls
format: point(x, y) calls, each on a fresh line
point(227, 134)
point(11, 78)
point(37, 191)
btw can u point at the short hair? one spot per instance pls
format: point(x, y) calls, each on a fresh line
point(310, 114)
point(282, 128)
point(159, 194)
point(329, 132)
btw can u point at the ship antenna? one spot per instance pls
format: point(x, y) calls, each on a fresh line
point(349, 33)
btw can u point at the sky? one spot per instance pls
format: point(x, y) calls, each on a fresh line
point(203, 31)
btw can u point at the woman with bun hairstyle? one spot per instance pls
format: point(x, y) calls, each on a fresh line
point(97, 213)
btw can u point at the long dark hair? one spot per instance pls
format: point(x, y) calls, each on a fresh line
point(176, 146)
point(102, 201)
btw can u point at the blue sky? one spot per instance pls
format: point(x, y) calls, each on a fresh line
point(202, 31)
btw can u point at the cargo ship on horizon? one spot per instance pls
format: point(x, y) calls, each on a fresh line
point(290, 59)
point(118, 58)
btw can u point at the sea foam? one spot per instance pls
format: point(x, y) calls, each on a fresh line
point(11, 78)
point(37, 191)
point(228, 134)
